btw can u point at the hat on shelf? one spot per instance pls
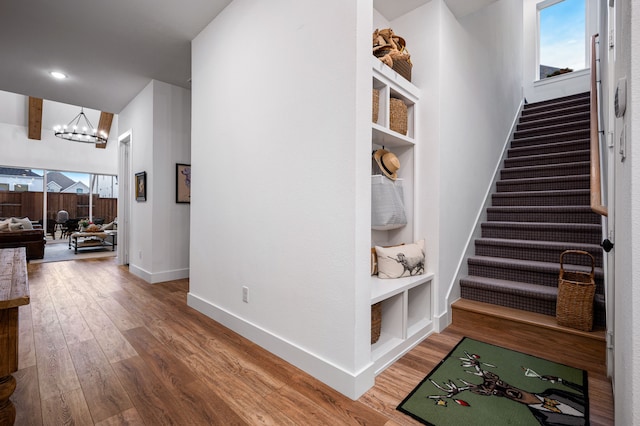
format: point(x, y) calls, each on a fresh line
point(388, 163)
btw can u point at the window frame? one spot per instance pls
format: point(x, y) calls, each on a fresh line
point(545, 4)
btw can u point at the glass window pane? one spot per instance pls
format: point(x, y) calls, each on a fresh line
point(562, 38)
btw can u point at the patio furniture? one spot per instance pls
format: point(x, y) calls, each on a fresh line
point(79, 240)
point(69, 227)
point(61, 218)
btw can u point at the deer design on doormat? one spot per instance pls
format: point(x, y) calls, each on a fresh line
point(550, 407)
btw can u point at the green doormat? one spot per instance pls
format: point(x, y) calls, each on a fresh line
point(483, 384)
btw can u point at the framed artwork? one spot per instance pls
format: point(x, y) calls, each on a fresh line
point(183, 183)
point(141, 186)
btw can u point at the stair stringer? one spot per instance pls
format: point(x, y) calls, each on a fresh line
point(453, 292)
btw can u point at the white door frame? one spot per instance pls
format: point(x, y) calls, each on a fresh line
point(124, 196)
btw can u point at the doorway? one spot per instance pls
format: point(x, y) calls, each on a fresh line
point(124, 204)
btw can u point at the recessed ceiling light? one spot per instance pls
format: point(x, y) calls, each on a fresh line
point(57, 74)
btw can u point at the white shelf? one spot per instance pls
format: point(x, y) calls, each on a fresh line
point(401, 85)
point(382, 289)
point(384, 345)
point(389, 138)
point(406, 302)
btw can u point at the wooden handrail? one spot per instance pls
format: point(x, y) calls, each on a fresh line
point(595, 185)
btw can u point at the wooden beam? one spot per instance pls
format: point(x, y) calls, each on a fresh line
point(104, 125)
point(35, 118)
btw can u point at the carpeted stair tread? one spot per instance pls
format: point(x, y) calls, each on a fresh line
point(542, 159)
point(527, 271)
point(553, 245)
point(524, 296)
point(498, 285)
point(568, 197)
point(551, 138)
point(587, 233)
point(545, 183)
point(533, 116)
point(558, 119)
point(559, 169)
point(552, 129)
point(554, 214)
point(558, 103)
point(542, 251)
point(549, 148)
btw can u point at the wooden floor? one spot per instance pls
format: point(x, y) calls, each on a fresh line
point(100, 346)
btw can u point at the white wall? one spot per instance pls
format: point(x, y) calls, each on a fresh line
point(480, 84)
point(627, 221)
point(51, 152)
point(137, 117)
point(171, 145)
point(159, 121)
point(280, 182)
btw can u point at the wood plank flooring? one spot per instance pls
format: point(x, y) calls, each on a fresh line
point(100, 346)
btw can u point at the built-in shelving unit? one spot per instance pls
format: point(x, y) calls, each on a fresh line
point(406, 302)
point(406, 316)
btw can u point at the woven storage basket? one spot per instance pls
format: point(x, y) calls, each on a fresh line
point(402, 67)
point(398, 116)
point(576, 291)
point(376, 104)
point(376, 321)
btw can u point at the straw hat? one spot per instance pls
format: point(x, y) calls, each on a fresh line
point(388, 163)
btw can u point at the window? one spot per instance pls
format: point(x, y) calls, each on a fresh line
point(561, 37)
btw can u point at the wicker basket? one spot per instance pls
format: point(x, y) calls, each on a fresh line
point(402, 67)
point(376, 321)
point(376, 104)
point(398, 116)
point(576, 291)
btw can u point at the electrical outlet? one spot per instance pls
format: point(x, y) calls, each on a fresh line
point(245, 294)
point(140, 254)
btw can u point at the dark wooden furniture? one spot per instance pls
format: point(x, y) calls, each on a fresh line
point(32, 239)
point(14, 292)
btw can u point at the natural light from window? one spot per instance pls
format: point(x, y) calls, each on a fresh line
point(561, 37)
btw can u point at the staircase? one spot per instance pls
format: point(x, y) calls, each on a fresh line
point(540, 208)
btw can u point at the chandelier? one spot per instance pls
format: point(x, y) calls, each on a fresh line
point(80, 130)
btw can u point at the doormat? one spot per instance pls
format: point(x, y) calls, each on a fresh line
point(483, 384)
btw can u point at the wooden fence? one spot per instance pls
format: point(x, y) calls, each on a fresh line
point(29, 204)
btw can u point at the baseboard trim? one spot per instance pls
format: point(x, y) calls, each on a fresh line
point(442, 321)
point(159, 277)
point(352, 385)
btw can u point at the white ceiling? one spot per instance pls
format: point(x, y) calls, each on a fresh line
point(392, 9)
point(462, 8)
point(111, 49)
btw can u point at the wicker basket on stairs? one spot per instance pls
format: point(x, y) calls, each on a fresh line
point(576, 291)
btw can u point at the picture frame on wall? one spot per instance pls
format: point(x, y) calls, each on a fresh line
point(141, 186)
point(183, 183)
